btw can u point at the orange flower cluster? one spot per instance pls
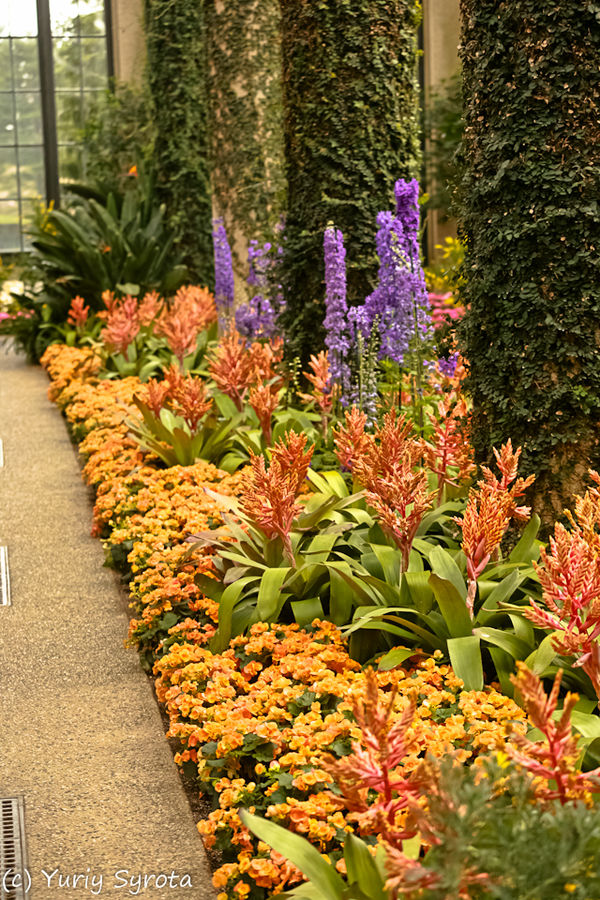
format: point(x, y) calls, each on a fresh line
point(262, 721)
point(66, 365)
point(191, 311)
point(448, 454)
point(491, 506)
point(270, 499)
point(78, 313)
point(570, 577)
point(236, 365)
point(553, 762)
point(388, 466)
point(186, 396)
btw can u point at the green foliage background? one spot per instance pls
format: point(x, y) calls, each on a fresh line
point(176, 72)
point(531, 221)
point(351, 129)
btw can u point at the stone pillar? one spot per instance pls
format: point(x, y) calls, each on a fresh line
point(128, 40)
point(441, 36)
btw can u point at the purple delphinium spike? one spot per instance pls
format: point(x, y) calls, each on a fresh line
point(407, 210)
point(258, 318)
point(337, 339)
point(224, 285)
point(448, 366)
point(399, 302)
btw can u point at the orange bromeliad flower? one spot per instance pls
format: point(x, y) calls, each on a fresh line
point(264, 400)
point(351, 440)
point(395, 488)
point(236, 367)
point(122, 324)
point(570, 579)
point(490, 507)
point(191, 311)
point(324, 393)
point(78, 313)
point(554, 762)
point(149, 308)
point(270, 499)
point(186, 397)
point(448, 448)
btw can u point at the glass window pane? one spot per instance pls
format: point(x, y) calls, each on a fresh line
point(67, 64)
point(26, 64)
point(70, 163)
point(93, 57)
point(29, 118)
point(10, 232)
point(7, 119)
point(5, 70)
point(29, 209)
point(69, 120)
point(63, 16)
point(31, 171)
point(91, 18)
point(19, 18)
point(8, 173)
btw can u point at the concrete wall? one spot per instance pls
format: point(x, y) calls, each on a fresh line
point(441, 35)
point(128, 40)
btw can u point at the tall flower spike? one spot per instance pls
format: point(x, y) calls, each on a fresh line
point(490, 507)
point(555, 761)
point(232, 367)
point(224, 283)
point(270, 497)
point(337, 337)
point(448, 448)
point(351, 440)
point(78, 313)
point(122, 325)
point(264, 400)
point(325, 389)
point(396, 489)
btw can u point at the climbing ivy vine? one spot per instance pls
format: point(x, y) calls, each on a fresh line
point(245, 115)
point(350, 124)
point(531, 222)
point(176, 72)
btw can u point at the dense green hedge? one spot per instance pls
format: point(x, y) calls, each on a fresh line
point(350, 122)
point(176, 68)
point(531, 220)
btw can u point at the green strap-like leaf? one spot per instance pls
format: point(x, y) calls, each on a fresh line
point(465, 657)
point(269, 593)
point(527, 549)
point(362, 870)
point(444, 566)
point(452, 606)
point(302, 854)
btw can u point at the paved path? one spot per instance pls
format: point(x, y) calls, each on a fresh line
point(80, 733)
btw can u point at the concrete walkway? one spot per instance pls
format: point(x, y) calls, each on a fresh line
point(80, 733)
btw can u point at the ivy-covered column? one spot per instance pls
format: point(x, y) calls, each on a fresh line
point(175, 37)
point(245, 116)
point(350, 123)
point(531, 220)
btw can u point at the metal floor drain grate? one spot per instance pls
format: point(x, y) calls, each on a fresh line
point(4, 578)
point(13, 857)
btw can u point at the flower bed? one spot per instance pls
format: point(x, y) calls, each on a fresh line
point(259, 723)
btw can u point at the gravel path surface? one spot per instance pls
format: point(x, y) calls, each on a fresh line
point(81, 734)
